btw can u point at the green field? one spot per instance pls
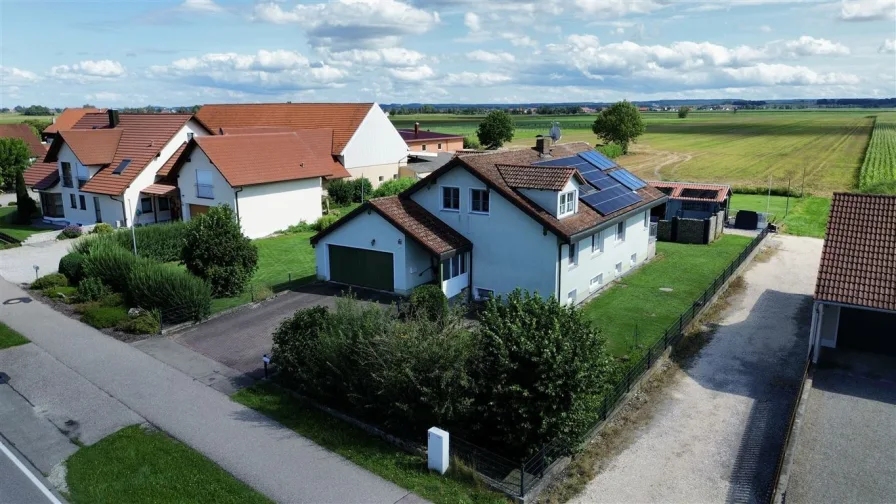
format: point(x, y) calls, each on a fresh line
point(879, 166)
point(800, 216)
point(17, 118)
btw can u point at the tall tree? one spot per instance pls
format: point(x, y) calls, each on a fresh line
point(619, 123)
point(683, 111)
point(15, 156)
point(496, 129)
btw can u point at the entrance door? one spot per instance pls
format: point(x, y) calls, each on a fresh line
point(361, 267)
point(96, 209)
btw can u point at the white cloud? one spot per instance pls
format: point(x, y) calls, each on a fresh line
point(776, 74)
point(811, 46)
point(388, 57)
point(867, 10)
point(765, 29)
point(889, 47)
point(415, 74)
point(13, 75)
point(472, 21)
point(517, 40)
point(201, 6)
point(618, 8)
point(88, 71)
point(490, 57)
point(347, 24)
point(475, 79)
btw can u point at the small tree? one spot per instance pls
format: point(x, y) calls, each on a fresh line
point(683, 111)
point(215, 249)
point(340, 191)
point(362, 190)
point(25, 206)
point(393, 187)
point(471, 143)
point(619, 123)
point(15, 157)
point(496, 129)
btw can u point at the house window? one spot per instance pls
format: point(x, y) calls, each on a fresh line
point(479, 201)
point(423, 147)
point(484, 293)
point(164, 204)
point(83, 175)
point(646, 220)
point(73, 201)
point(634, 259)
point(571, 297)
point(51, 204)
point(146, 205)
point(83, 201)
point(454, 267)
point(597, 281)
point(451, 198)
point(573, 256)
point(67, 175)
point(382, 178)
point(597, 243)
point(567, 203)
point(620, 231)
point(440, 146)
point(204, 187)
point(395, 176)
point(619, 268)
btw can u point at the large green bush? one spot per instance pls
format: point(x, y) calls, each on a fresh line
point(109, 263)
point(92, 289)
point(429, 301)
point(324, 221)
point(162, 242)
point(216, 250)
point(362, 190)
point(393, 187)
point(179, 295)
point(340, 191)
point(70, 265)
point(104, 317)
point(51, 280)
point(612, 150)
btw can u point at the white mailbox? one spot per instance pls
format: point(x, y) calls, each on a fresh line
point(437, 450)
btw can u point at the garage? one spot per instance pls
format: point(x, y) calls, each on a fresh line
point(867, 330)
point(361, 267)
point(196, 210)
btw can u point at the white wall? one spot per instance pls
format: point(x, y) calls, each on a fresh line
point(509, 248)
point(376, 143)
point(589, 265)
point(419, 265)
point(830, 323)
point(267, 208)
point(186, 183)
point(550, 200)
point(110, 209)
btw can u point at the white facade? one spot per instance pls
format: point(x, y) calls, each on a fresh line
point(218, 192)
point(376, 150)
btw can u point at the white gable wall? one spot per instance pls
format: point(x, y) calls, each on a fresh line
point(267, 208)
point(186, 183)
point(376, 149)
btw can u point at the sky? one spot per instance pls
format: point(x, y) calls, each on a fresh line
point(116, 53)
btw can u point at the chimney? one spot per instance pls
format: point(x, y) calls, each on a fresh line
point(113, 118)
point(416, 129)
point(540, 143)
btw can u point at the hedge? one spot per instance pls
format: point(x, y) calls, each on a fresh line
point(71, 266)
point(110, 264)
point(162, 242)
point(179, 295)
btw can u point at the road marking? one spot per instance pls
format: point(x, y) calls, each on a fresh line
point(40, 486)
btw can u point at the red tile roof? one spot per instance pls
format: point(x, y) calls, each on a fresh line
point(320, 141)
point(343, 118)
point(166, 168)
point(411, 219)
point(141, 138)
point(23, 132)
point(858, 261)
point(548, 178)
point(409, 136)
point(722, 191)
point(42, 175)
point(159, 189)
point(69, 117)
point(264, 158)
point(91, 147)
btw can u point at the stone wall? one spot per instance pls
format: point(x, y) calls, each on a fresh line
point(664, 230)
point(690, 231)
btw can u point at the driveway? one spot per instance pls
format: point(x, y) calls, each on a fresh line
point(239, 339)
point(17, 264)
point(718, 428)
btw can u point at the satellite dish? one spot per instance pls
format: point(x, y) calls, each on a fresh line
point(555, 132)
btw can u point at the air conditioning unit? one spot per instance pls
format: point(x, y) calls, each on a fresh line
point(118, 224)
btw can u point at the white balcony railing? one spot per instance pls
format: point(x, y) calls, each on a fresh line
point(653, 226)
point(205, 191)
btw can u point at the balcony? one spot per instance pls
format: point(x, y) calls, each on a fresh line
point(205, 191)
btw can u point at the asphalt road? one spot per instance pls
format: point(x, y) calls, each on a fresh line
point(20, 482)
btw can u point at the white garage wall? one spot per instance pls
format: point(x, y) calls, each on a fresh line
point(267, 208)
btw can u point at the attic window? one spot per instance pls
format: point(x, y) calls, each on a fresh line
point(121, 166)
point(700, 193)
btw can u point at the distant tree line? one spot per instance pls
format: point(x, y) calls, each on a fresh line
point(857, 102)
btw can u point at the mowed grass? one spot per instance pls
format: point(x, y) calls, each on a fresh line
point(11, 117)
point(806, 216)
point(10, 337)
point(137, 467)
point(637, 301)
point(404, 469)
point(17, 231)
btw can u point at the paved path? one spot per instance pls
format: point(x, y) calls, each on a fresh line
point(20, 482)
point(264, 454)
point(17, 264)
point(716, 433)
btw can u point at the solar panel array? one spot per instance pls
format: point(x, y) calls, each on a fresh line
point(598, 159)
point(627, 179)
point(614, 191)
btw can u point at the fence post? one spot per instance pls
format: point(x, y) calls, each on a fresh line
point(522, 480)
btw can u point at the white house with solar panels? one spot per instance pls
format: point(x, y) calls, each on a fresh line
point(561, 220)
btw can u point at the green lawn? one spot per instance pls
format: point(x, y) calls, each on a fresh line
point(10, 338)
point(136, 466)
point(17, 231)
point(12, 117)
point(405, 470)
point(804, 216)
point(637, 300)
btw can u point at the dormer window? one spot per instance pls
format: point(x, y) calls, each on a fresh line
point(567, 203)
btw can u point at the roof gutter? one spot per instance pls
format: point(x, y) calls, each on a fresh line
point(236, 197)
point(609, 223)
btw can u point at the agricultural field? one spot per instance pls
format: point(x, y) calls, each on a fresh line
point(11, 118)
point(879, 166)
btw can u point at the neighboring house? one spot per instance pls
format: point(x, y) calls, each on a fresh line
point(694, 201)
point(364, 141)
point(24, 132)
point(66, 120)
point(108, 164)
point(43, 178)
point(855, 295)
point(271, 180)
point(563, 221)
point(420, 165)
point(430, 141)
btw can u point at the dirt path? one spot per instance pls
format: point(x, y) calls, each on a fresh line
point(645, 161)
point(717, 431)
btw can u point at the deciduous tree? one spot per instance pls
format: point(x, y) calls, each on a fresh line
point(619, 123)
point(496, 129)
point(15, 157)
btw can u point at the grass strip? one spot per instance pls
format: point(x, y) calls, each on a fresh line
point(10, 338)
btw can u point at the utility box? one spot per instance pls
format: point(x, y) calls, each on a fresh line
point(437, 450)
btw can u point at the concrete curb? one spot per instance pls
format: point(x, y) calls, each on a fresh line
point(790, 448)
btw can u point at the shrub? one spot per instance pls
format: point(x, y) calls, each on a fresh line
point(102, 228)
point(612, 151)
point(162, 242)
point(393, 187)
point(216, 250)
point(324, 222)
point(472, 143)
point(340, 191)
point(110, 264)
point(69, 232)
point(66, 294)
point(362, 190)
point(112, 299)
point(301, 227)
point(11, 203)
point(429, 301)
point(71, 265)
point(179, 295)
point(92, 289)
point(25, 205)
point(147, 322)
point(104, 317)
point(51, 280)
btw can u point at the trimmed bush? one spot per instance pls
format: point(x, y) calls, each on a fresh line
point(340, 191)
point(104, 317)
point(429, 301)
point(324, 222)
point(393, 187)
point(216, 250)
point(162, 242)
point(11, 203)
point(66, 294)
point(102, 228)
point(109, 263)
point(179, 295)
point(69, 232)
point(71, 265)
point(612, 151)
point(51, 280)
point(92, 289)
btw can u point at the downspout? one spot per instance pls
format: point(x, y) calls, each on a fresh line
point(236, 197)
point(124, 211)
point(470, 278)
point(559, 266)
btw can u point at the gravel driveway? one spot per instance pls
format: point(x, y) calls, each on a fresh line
point(717, 432)
point(17, 264)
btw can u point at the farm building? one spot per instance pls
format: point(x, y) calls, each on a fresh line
point(693, 201)
point(431, 141)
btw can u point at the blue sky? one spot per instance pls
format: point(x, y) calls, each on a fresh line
point(182, 52)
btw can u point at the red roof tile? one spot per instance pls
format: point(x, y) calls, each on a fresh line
point(166, 168)
point(159, 189)
point(548, 178)
point(91, 147)
point(23, 132)
point(858, 261)
point(68, 118)
point(722, 191)
point(42, 175)
point(342, 118)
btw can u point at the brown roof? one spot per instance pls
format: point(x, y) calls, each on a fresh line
point(23, 132)
point(141, 138)
point(320, 141)
point(420, 136)
point(342, 118)
point(485, 167)
point(255, 129)
point(859, 254)
point(68, 118)
point(414, 221)
point(549, 178)
point(264, 158)
point(159, 189)
point(42, 175)
point(92, 147)
point(677, 188)
point(166, 168)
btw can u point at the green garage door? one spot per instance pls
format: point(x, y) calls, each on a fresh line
point(364, 268)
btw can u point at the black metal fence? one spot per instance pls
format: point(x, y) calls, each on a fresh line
point(517, 479)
